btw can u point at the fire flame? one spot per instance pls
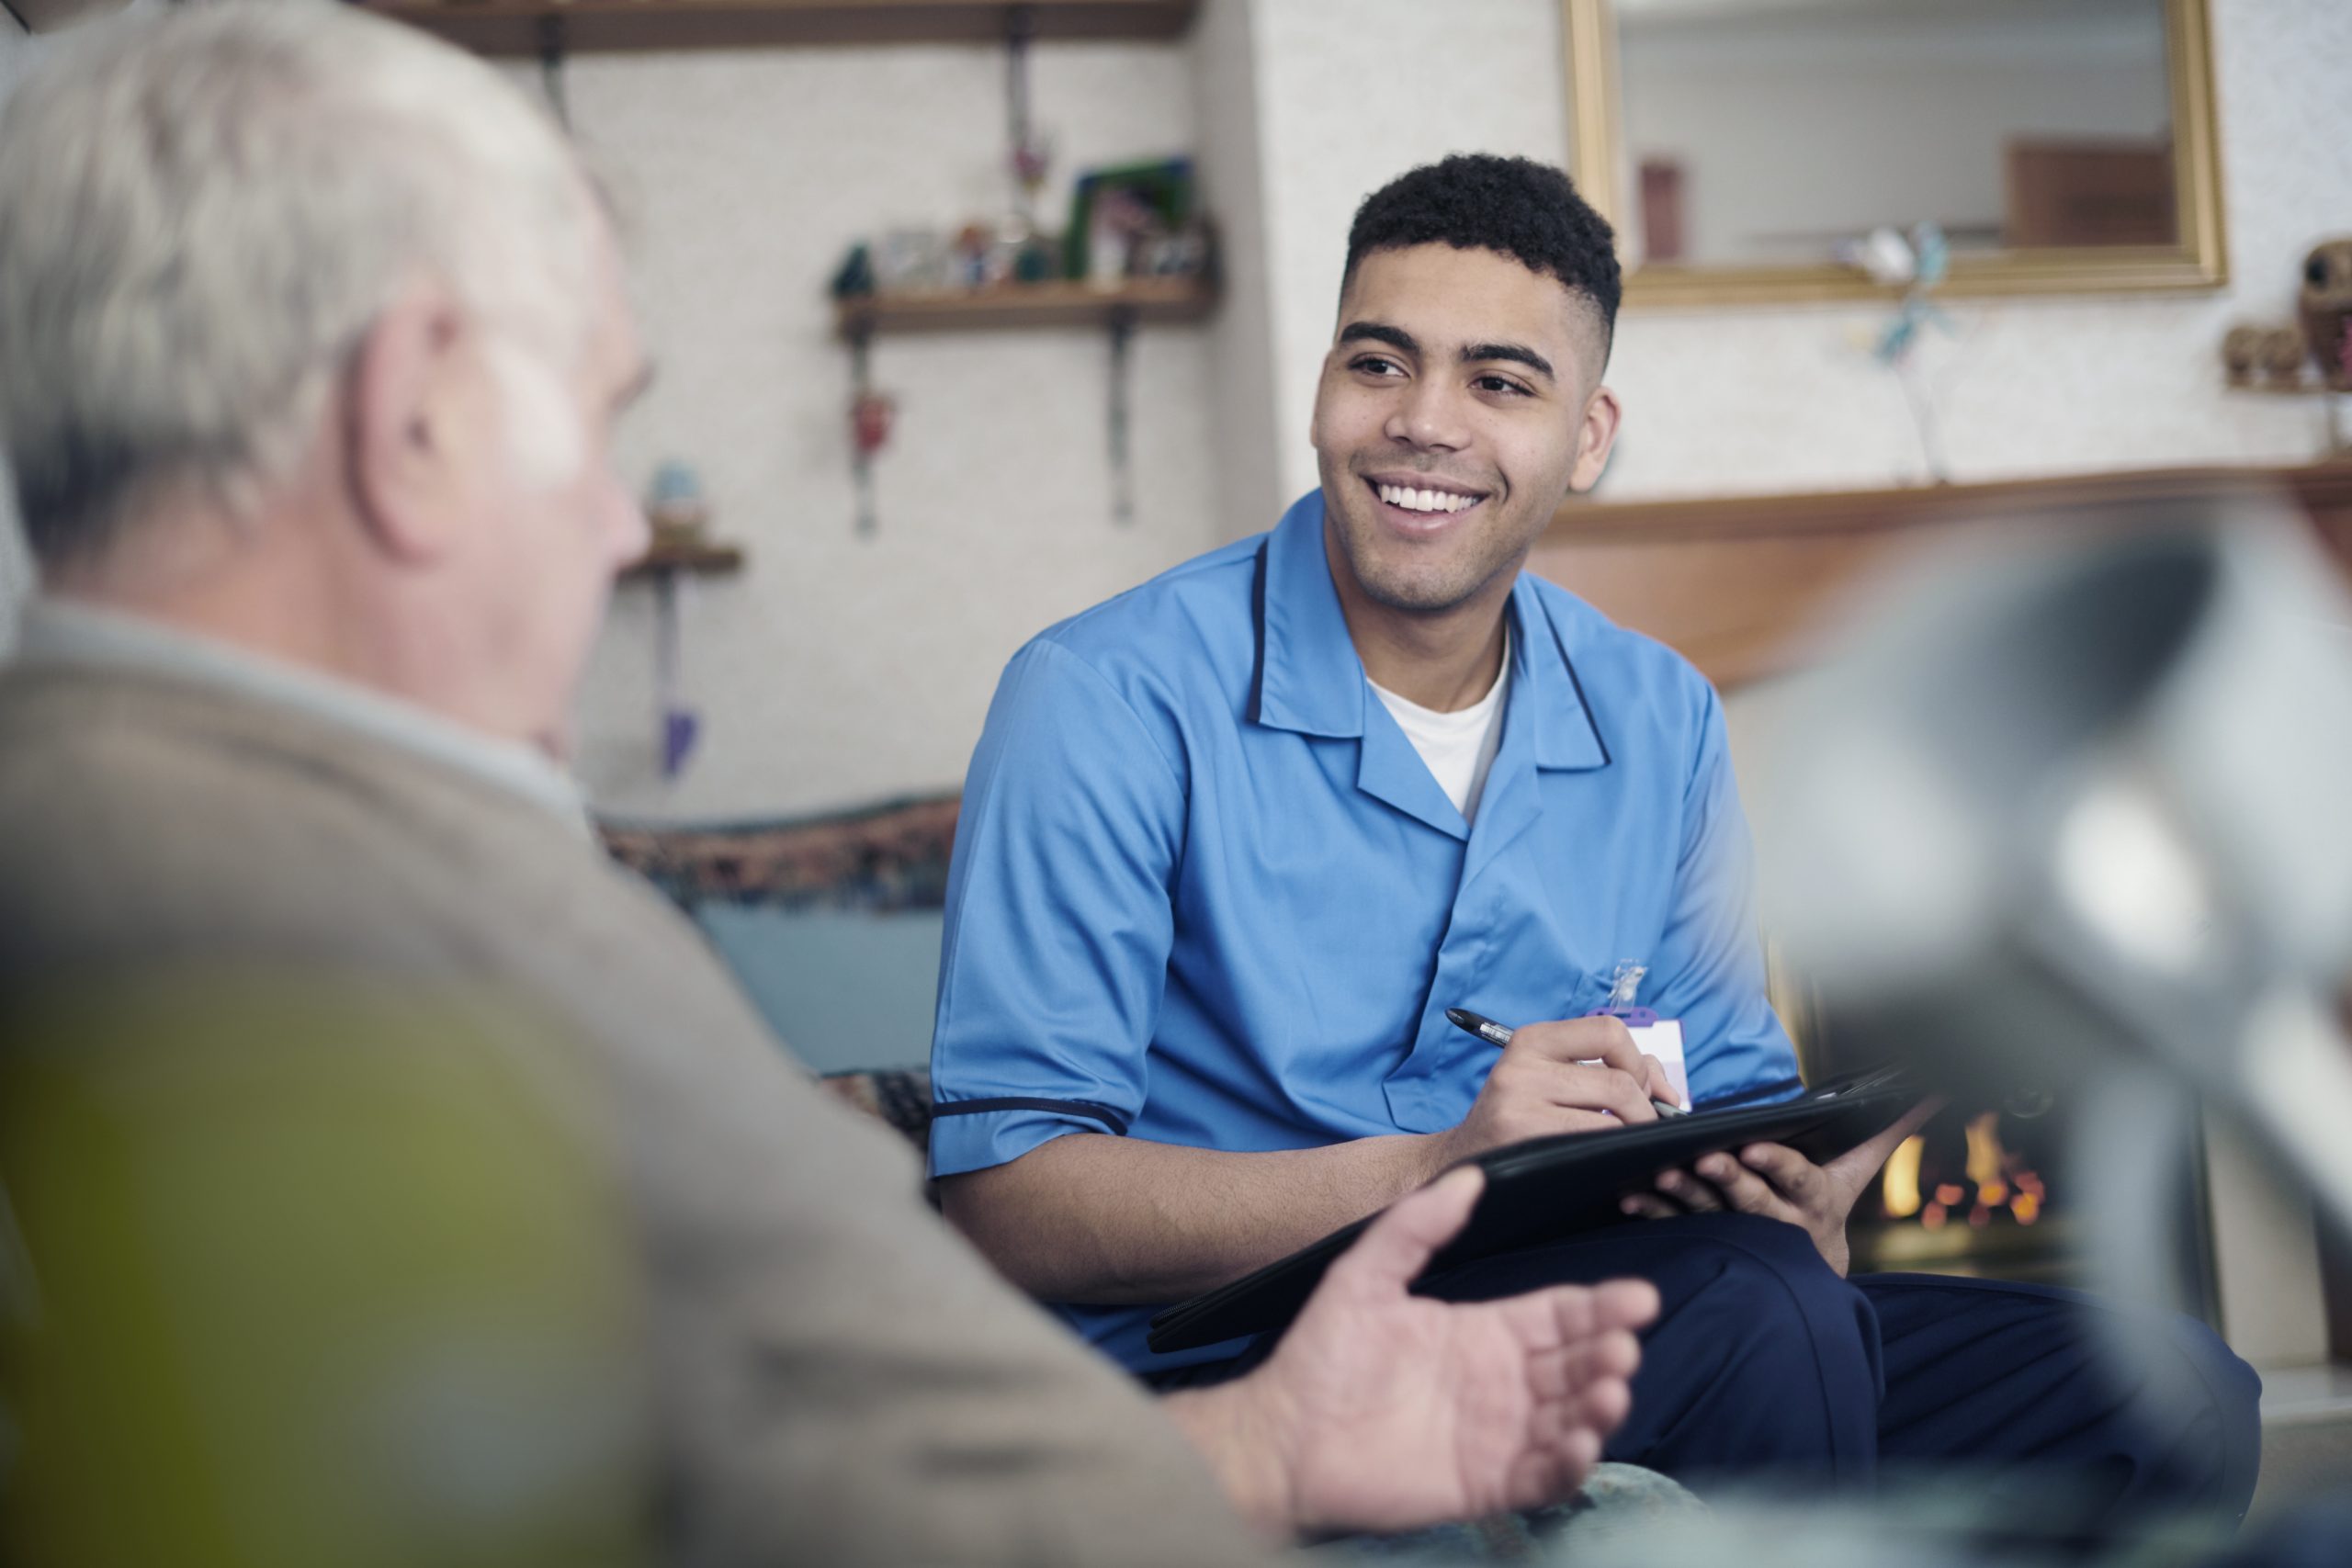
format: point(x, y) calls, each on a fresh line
point(2001, 1181)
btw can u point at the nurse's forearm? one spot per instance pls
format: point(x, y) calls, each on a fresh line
point(1094, 1218)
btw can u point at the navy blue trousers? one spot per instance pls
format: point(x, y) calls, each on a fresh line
point(1764, 1361)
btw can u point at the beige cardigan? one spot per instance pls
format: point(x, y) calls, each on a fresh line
point(836, 1378)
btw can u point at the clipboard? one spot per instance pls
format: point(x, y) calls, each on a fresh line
point(1544, 1189)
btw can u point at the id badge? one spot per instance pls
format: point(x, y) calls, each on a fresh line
point(1656, 1036)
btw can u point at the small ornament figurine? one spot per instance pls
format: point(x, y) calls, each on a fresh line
point(1038, 260)
point(870, 416)
point(1030, 149)
point(679, 511)
point(854, 277)
point(2241, 353)
point(1917, 265)
point(2283, 353)
point(869, 422)
point(2324, 306)
point(675, 505)
point(974, 241)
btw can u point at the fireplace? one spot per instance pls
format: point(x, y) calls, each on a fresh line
point(1977, 1191)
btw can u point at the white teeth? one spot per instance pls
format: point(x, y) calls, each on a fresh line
point(1425, 500)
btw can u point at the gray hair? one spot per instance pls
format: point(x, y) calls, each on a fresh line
point(202, 212)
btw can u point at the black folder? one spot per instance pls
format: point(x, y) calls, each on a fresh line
point(1547, 1187)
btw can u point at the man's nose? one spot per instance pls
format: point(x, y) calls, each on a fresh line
point(1430, 414)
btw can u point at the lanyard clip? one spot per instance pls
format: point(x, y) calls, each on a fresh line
point(1623, 986)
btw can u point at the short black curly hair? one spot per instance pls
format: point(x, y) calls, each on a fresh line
point(1517, 207)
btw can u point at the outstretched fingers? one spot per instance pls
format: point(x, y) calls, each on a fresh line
point(1585, 1336)
point(1397, 1246)
point(1555, 1462)
point(1570, 1370)
point(1623, 1303)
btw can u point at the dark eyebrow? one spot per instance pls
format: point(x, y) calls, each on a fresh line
point(1404, 343)
point(1394, 337)
point(1512, 351)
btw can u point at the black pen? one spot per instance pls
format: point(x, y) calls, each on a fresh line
point(1497, 1034)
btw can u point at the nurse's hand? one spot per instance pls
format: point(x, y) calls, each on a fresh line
point(1778, 1183)
point(1574, 1075)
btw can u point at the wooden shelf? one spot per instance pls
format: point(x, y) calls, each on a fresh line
point(513, 26)
point(703, 559)
point(2292, 389)
point(1058, 304)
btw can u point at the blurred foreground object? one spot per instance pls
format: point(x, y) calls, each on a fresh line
point(2070, 813)
point(295, 1272)
point(49, 16)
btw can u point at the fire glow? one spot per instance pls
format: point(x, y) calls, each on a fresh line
point(2002, 1183)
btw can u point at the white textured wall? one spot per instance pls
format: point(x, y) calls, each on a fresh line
point(839, 668)
point(1242, 338)
point(1344, 110)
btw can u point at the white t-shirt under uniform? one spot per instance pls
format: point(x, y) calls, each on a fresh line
point(1459, 747)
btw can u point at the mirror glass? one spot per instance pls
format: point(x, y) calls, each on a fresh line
point(1763, 132)
point(1744, 148)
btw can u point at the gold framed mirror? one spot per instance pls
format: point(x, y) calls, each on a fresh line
point(1740, 146)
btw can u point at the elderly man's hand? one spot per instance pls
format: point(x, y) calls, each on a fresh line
point(1385, 1411)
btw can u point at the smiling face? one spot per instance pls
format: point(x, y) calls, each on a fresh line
point(1459, 406)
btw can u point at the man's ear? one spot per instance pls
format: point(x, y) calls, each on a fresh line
point(1595, 437)
point(410, 431)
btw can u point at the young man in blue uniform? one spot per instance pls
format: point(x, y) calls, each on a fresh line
point(1234, 842)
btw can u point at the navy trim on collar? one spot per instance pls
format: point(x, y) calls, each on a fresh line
point(1566, 733)
point(1308, 677)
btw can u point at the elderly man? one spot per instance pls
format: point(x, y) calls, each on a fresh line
point(312, 337)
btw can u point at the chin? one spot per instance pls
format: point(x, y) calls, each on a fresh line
point(1429, 590)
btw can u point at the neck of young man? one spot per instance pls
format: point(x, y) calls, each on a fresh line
point(1441, 660)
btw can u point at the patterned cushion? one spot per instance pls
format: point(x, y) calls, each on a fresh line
point(1616, 1500)
point(899, 1096)
point(892, 856)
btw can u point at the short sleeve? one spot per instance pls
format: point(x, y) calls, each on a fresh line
point(1059, 918)
point(1709, 968)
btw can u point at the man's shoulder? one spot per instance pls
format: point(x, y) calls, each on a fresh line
point(1206, 606)
point(78, 747)
point(139, 813)
point(76, 739)
point(1618, 658)
point(1179, 644)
